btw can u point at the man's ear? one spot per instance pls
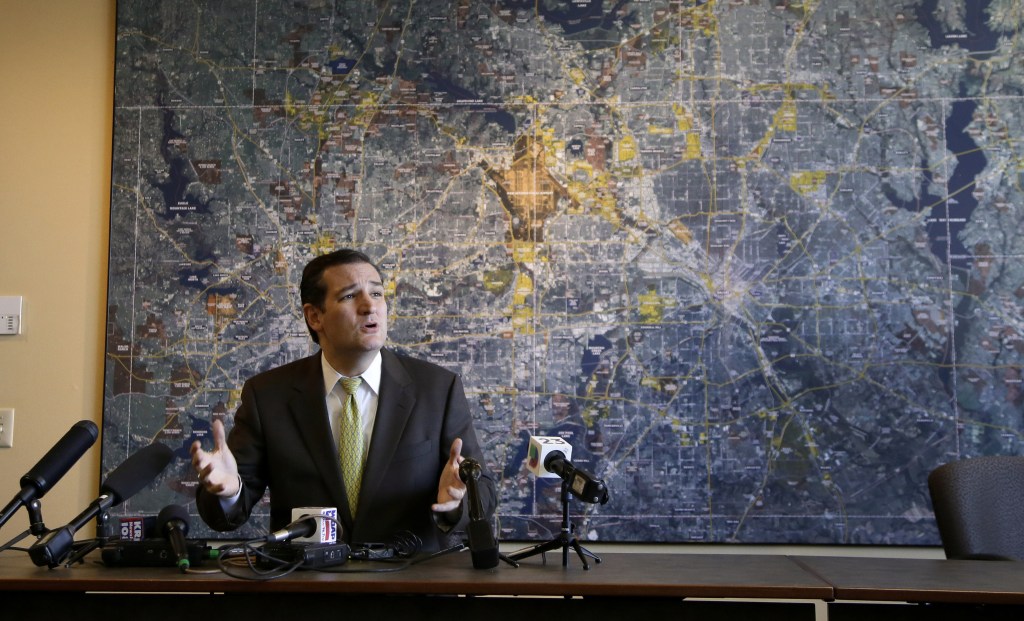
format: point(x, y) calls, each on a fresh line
point(312, 316)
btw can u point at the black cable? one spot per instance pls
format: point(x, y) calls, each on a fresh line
point(231, 554)
point(242, 560)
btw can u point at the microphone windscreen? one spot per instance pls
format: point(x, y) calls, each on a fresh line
point(469, 469)
point(171, 513)
point(137, 471)
point(59, 459)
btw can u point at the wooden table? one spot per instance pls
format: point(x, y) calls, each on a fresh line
point(623, 584)
point(943, 589)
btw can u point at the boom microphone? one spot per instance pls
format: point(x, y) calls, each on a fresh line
point(124, 482)
point(582, 484)
point(54, 465)
point(172, 523)
point(483, 548)
point(548, 451)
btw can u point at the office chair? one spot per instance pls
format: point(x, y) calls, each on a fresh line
point(979, 507)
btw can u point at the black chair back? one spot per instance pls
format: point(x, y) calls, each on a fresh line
point(979, 507)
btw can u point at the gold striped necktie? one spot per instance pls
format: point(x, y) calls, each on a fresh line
point(350, 441)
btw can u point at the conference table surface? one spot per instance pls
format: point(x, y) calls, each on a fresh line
point(619, 574)
point(919, 580)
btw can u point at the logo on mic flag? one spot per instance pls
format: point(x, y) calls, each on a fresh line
point(540, 448)
point(133, 529)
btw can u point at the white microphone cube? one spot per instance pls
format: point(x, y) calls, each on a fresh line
point(326, 526)
point(540, 448)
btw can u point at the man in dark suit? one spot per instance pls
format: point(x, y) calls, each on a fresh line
point(416, 426)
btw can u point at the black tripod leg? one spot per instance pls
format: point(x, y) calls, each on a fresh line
point(508, 559)
point(540, 548)
point(596, 558)
point(564, 540)
point(579, 552)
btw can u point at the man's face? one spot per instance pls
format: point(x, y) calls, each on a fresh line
point(353, 323)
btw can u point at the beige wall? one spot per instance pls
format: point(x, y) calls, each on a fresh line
point(56, 102)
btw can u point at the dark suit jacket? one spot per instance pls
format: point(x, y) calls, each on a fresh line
point(282, 439)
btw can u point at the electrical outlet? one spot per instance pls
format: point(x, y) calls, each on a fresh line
point(6, 427)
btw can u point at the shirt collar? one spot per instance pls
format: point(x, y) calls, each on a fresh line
point(371, 376)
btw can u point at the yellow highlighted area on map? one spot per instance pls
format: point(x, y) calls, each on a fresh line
point(580, 167)
point(627, 148)
point(524, 253)
point(652, 307)
point(495, 281)
point(807, 181)
point(680, 231)
point(366, 111)
point(323, 245)
point(692, 151)
point(523, 291)
point(684, 120)
point(522, 309)
point(785, 117)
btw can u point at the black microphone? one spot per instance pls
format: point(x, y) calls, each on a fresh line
point(483, 548)
point(305, 526)
point(54, 465)
point(582, 484)
point(172, 523)
point(124, 482)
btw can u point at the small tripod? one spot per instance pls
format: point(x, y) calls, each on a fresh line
point(78, 549)
point(565, 539)
point(36, 525)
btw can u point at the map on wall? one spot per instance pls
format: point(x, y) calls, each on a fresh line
point(758, 261)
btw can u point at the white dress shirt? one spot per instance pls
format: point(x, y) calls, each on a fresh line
point(366, 398)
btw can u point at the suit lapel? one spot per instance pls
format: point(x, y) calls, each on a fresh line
point(394, 405)
point(309, 411)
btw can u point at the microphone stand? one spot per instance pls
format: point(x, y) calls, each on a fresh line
point(82, 548)
point(465, 546)
point(469, 472)
point(35, 518)
point(566, 539)
point(36, 525)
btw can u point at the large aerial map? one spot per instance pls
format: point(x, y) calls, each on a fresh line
point(758, 261)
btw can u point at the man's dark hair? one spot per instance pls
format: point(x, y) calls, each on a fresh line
point(312, 289)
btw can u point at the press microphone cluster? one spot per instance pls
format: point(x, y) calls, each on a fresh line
point(549, 456)
point(483, 547)
point(54, 465)
point(156, 541)
point(311, 541)
point(124, 482)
